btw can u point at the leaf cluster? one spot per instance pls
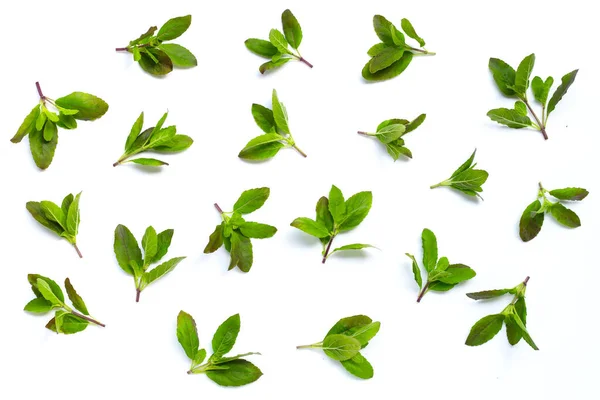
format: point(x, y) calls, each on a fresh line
point(391, 132)
point(63, 220)
point(42, 124)
point(344, 341)
point(277, 135)
point(225, 371)
point(533, 217)
point(281, 47)
point(49, 296)
point(514, 317)
point(391, 57)
point(235, 232)
point(156, 139)
point(130, 259)
point(441, 275)
point(157, 57)
point(466, 178)
point(334, 216)
point(515, 84)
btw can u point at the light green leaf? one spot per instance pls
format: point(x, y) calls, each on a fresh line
point(175, 144)
point(47, 292)
point(41, 150)
point(390, 72)
point(272, 65)
point(179, 55)
point(415, 123)
point(174, 28)
point(163, 243)
point(161, 270)
point(280, 114)
point(136, 129)
point(457, 273)
point(383, 29)
point(541, 89)
point(355, 246)
point(358, 366)
point(187, 335)
point(311, 227)
point(410, 31)
point(523, 74)
point(570, 194)
point(73, 216)
point(416, 270)
point(357, 209)
point(264, 118)
point(49, 131)
point(385, 58)
point(430, 250)
point(261, 47)
point(485, 329)
point(28, 125)
point(488, 294)
point(262, 147)
point(278, 40)
point(341, 347)
point(89, 107)
point(152, 162)
point(257, 230)
point(150, 245)
point(337, 205)
point(75, 298)
point(510, 118)
point(225, 336)
point(251, 200)
point(126, 249)
point(390, 133)
point(54, 213)
point(39, 305)
point(561, 90)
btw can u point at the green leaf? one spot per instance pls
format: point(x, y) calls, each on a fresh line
point(513, 333)
point(72, 324)
point(73, 217)
point(49, 131)
point(163, 243)
point(569, 194)
point(385, 58)
point(174, 145)
point(376, 49)
point(324, 216)
point(251, 200)
point(358, 366)
point(514, 318)
point(341, 347)
point(355, 246)
point(174, 28)
point(241, 252)
point(136, 129)
point(89, 107)
point(457, 273)
point(257, 230)
point(416, 270)
point(466, 165)
point(262, 147)
point(200, 356)
point(470, 181)
point(390, 72)
point(440, 286)
point(357, 208)
point(383, 29)
point(278, 40)
point(161, 270)
point(504, 76)
point(390, 133)
point(364, 333)
point(28, 125)
point(531, 222)
point(345, 325)
point(235, 373)
point(33, 278)
point(48, 293)
point(395, 149)
point(39, 305)
point(272, 64)
point(36, 211)
point(179, 55)
point(162, 66)
point(430, 249)
point(564, 216)
point(150, 245)
point(397, 37)
point(410, 31)
point(187, 335)
point(561, 90)
point(264, 118)
point(521, 107)
point(280, 114)
point(152, 162)
point(485, 329)
point(215, 240)
point(66, 203)
point(126, 249)
point(291, 29)
point(225, 336)
point(311, 227)
point(523, 74)
point(54, 213)
point(41, 150)
point(261, 47)
point(337, 205)
point(414, 124)
point(66, 121)
point(149, 33)
point(442, 264)
point(509, 117)
point(541, 89)
point(75, 298)
point(488, 294)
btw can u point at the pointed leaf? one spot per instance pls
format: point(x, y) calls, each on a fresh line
point(150, 245)
point(161, 270)
point(174, 28)
point(73, 217)
point(485, 329)
point(152, 162)
point(162, 244)
point(488, 294)
point(416, 270)
point(235, 373)
point(126, 249)
point(430, 250)
point(358, 366)
point(225, 336)
point(28, 125)
point(385, 58)
point(262, 147)
point(504, 76)
point(278, 40)
point(357, 209)
point(531, 222)
point(390, 72)
point(564, 216)
point(341, 347)
point(241, 252)
point(136, 129)
point(75, 298)
point(215, 240)
point(179, 55)
point(89, 107)
point(261, 47)
point(410, 31)
point(187, 334)
point(251, 200)
point(41, 150)
point(291, 29)
point(383, 29)
point(561, 90)
point(311, 227)
point(457, 273)
point(257, 230)
point(570, 194)
point(36, 211)
point(509, 117)
point(523, 74)
point(263, 118)
point(39, 305)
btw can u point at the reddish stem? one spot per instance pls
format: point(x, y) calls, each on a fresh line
point(423, 291)
point(93, 321)
point(525, 281)
point(327, 249)
point(77, 250)
point(39, 89)
point(305, 62)
point(137, 295)
point(218, 208)
point(121, 49)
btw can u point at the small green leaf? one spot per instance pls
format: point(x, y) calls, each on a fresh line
point(324, 216)
point(410, 31)
point(75, 298)
point(126, 249)
point(175, 144)
point(383, 29)
point(541, 89)
point(521, 326)
point(364, 333)
point(174, 28)
point(440, 286)
point(200, 356)
point(390, 133)
point(152, 162)
point(385, 58)
point(531, 222)
point(521, 108)
point(414, 124)
point(28, 125)
point(261, 47)
point(49, 131)
point(264, 118)
point(564, 216)
point(355, 246)
point(561, 90)
point(225, 336)
point(523, 74)
point(162, 66)
point(215, 241)
point(291, 29)
point(163, 243)
point(278, 40)
point(390, 72)
point(513, 333)
point(241, 252)
point(311, 227)
point(40, 121)
point(272, 65)
point(485, 329)
point(136, 129)
point(41, 150)
point(251, 200)
point(235, 373)
point(345, 325)
point(430, 250)
point(47, 292)
point(416, 270)
point(488, 294)
point(341, 347)
point(39, 305)
point(179, 55)
point(72, 324)
point(150, 245)
point(457, 273)
point(54, 213)
point(187, 335)
point(337, 205)
point(504, 76)
point(376, 49)
point(262, 147)
point(89, 107)
point(36, 211)
point(570, 194)
point(73, 216)
point(33, 281)
point(509, 117)
point(357, 209)
point(280, 114)
point(161, 270)
point(257, 230)
point(359, 366)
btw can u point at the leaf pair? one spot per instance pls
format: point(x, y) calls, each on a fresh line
point(515, 84)
point(63, 220)
point(390, 133)
point(225, 371)
point(277, 132)
point(441, 275)
point(514, 316)
point(235, 232)
point(391, 57)
point(533, 216)
point(277, 48)
point(129, 255)
point(42, 125)
point(158, 58)
point(466, 178)
point(49, 296)
point(156, 139)
point(344, 341)
point(334, 216)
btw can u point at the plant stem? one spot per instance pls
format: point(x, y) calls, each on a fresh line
point(310, 346)
point(137, 295)
point(540, 124)
point(525, 281)
point(39, 89)
point(443, 183)
point(77, 250)
point(218, 208)
point(301, 59)
point(423, 291)
point(121, 49)
point(93, 321)
point(363, 133)
point(299, 151)
point(431, 53)
point(327, 249)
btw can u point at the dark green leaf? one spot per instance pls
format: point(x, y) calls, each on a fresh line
point(383, 29)
point(36, 211)
point(513, 333)
point(570, 194)
point(262, 147)
point(174, 28)
point(359, 367)
point(416, 270)
point(215, 241)
point(517, 323)
point(564, 216)
point(324, 216)
point(41, 150)
point(161, 270)
point(341, 347)
point(257, 230)
point(531, 222)
point(385, 58)
point(523, 74)
point(291, 29)
point(241, 252)
point(75, 298)
point(510, 118)
point(153, 162)
point(561, 90)
point(390, 72)
point(504, 76)
point(410, 31)
point(264, 118)
point(163, 243)
point(251, 200)
point(187, 334)
point(458, 273)
point(89, 107)
point(225, 336)
point(272, 64)
point(430, 250)
point(162, 66)
point(261, 47)
point(488, 294)
point(179, 55)
point(414, 124)
point(126, 249)
point(311, 227)
point(485, 329)
point(235, 373)
point(28, 125)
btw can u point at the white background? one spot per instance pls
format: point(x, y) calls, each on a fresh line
point(289, 297)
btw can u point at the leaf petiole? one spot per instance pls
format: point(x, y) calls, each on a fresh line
point(311, 346)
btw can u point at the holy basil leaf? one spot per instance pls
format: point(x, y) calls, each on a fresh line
point(225, 336)
point(504, 76)
point(160, 271)
point(235, 373)
point(570, 194)
point(457, 273)
point(291, 29)
point(251, 200)
point(430, 250)
point(359, 366)
point(390, 72)
point(531, 222)
point(485, 329)
point(510, 118)
point(416, 270)
point(410, 31)
point(257, 230)
point(311, 227)
point(42, 150)
point(174, 28)
point(561, 90)
point(262, 147)
point(89, 107)
point(28, 125)
point(75, 298)
point(187, 334)
point(260, 47)
point(341, 347)
point(215, 241)
point(523, 74)
point(488, 294)
point(564, 216)
point(126, 249)
point(179, 55)
point(357, 209)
